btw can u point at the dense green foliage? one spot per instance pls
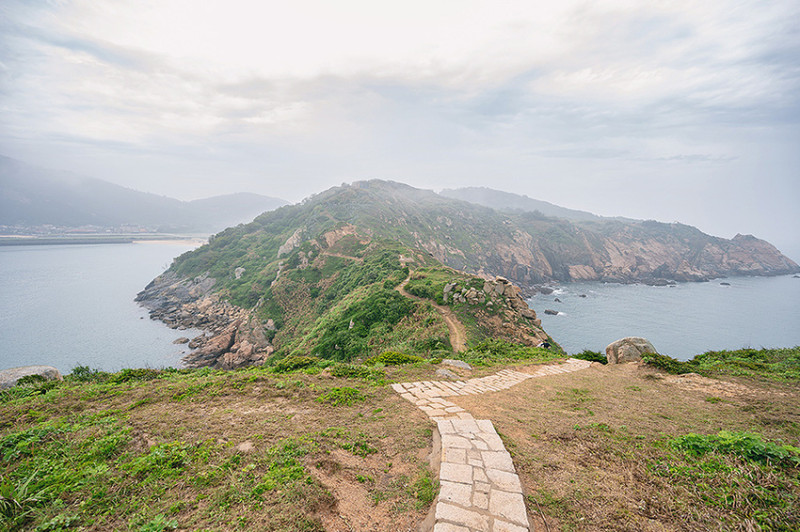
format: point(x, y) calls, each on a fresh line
point(591, 356)
point(493, 351)
point(393, 358)
point(293, 363)
point(775, 364)
point(372, 316)
point(747, 446)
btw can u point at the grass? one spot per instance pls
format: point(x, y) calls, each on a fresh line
point(609, 449)
point(770, 364)
point(207, 450)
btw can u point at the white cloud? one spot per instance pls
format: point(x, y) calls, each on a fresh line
point(289, 97)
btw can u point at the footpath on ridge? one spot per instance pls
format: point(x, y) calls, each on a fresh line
point(458, 335)
point(479, 487)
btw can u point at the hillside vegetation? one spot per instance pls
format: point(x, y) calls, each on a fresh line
point(312, 445)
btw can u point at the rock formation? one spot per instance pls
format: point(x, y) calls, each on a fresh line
point(236, 337)
point(628, 349)
point(9, 377)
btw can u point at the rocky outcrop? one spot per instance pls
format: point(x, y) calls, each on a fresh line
point(234, 336)
point(499, 309)
point(628, 349)
point(9, 377)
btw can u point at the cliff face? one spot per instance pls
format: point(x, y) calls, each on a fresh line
point(530, 248)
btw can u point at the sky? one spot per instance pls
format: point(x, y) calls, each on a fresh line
point(669, 110)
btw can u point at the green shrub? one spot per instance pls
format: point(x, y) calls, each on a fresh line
point(746, 445)
point(342, 396)
point(356, 372)
point(135, 374)
point(666, 363)
point(87, 374)
point(591, 356)
point(495, 350)
point(293, 363)
point(372, 316)
point(393, 358)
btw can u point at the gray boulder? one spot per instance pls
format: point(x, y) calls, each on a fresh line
point(456, 363)
point(628, 349)
point(9, 377)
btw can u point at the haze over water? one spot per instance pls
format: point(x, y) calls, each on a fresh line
point(680, 321)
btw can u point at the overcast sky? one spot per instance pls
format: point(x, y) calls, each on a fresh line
point(677, 111)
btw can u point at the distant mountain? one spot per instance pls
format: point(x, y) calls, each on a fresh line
point(506, 201)
point(31, 196)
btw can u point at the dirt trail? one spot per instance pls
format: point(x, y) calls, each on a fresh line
point(458, 334)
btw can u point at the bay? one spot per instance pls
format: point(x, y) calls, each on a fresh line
point(71, 305)
point(681, 321)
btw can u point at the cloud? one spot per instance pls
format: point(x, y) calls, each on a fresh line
point(564, 101)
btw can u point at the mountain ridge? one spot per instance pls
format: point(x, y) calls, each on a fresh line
point(33, 196)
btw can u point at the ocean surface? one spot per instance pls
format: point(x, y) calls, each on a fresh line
point(680, 321)
point(71, 305)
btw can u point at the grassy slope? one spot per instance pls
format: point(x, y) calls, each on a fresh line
point(595, 449)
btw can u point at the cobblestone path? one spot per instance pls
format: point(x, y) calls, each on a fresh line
point(479, 487)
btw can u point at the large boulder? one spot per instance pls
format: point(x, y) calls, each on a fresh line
point(628, 349)
point(9, 377)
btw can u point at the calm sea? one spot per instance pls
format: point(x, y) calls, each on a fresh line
point(680, 321)
point(71, 305)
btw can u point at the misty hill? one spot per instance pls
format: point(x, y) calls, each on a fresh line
point(507, 201)
point(31, 196)
point(526, 247)
point(376, 265)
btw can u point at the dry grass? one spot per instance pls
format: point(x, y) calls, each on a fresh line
point(591, 449)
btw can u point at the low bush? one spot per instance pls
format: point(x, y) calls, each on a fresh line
point(591, 356)
point(342, 396)
point(356, 372)
point(293, 363)
point(666, 363)
point(393, 358)
point(134, 375)
point(745, 445)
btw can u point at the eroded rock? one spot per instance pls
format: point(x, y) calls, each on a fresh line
point(628, 349)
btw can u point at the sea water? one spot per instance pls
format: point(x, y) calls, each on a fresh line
point(71, 305)
point(682, 320)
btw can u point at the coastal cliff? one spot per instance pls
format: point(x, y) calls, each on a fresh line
point(322, 277)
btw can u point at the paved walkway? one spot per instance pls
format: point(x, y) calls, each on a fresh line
point(479, 487)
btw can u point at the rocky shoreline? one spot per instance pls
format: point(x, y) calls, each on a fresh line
point(234, 337)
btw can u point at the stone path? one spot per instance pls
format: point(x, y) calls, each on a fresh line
point(479, 487)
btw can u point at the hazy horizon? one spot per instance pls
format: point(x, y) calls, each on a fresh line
point(674, 112)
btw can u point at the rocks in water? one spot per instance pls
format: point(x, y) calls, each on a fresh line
point(557, 300)
point(544, 290)
point(456, 363)
point(181, 340)
point(9, 377)
point(724, 284)
point(582, 295)
point(551, 312)
point(628, 349)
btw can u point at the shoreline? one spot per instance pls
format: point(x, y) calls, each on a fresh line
point(66, 240)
